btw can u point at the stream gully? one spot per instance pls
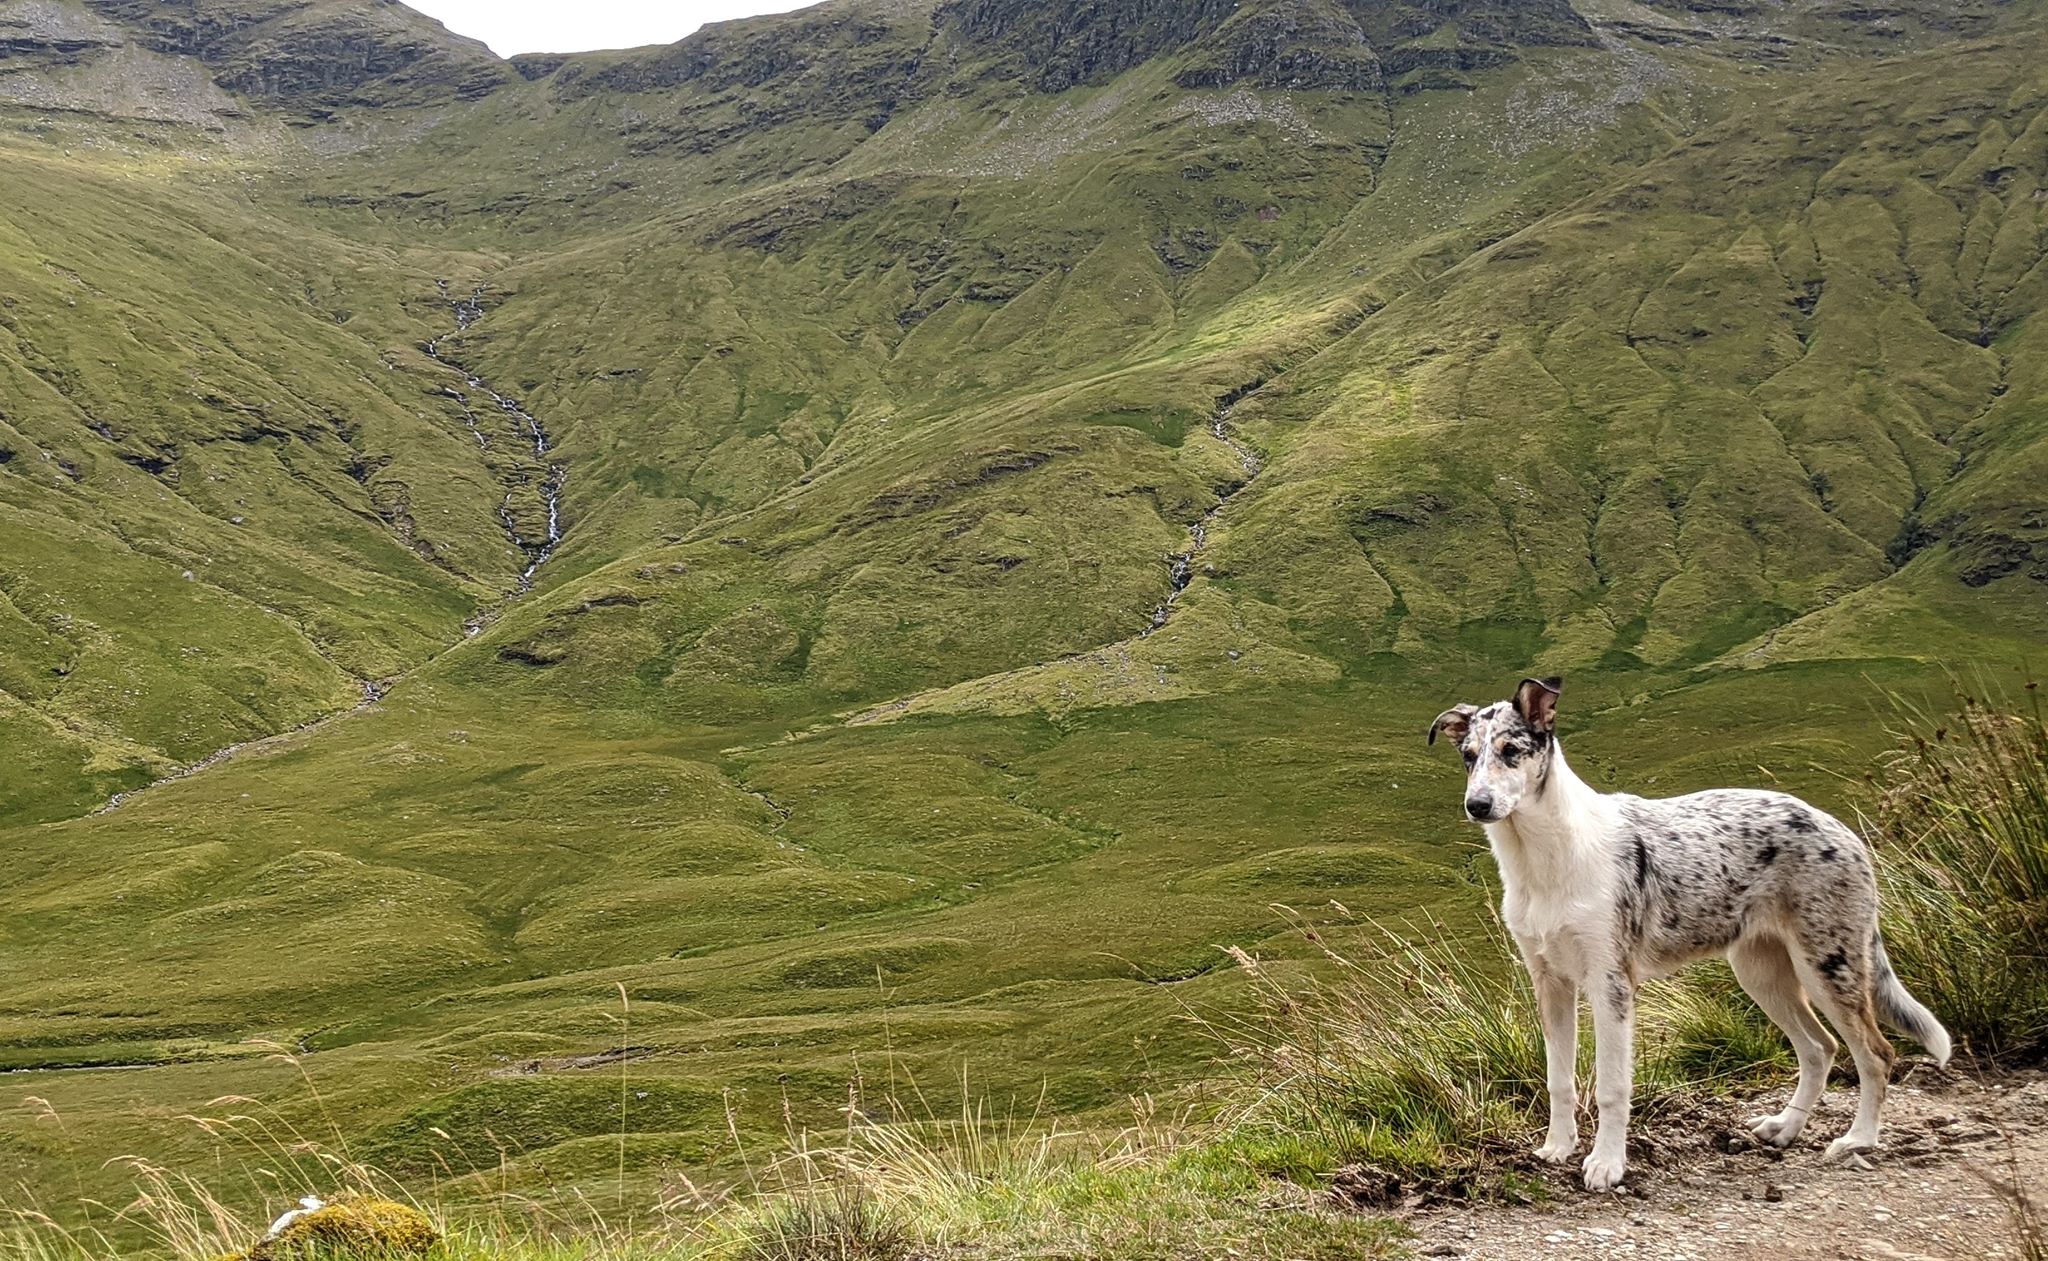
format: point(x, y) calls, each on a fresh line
point(537, 551)
point(467, 312)
point(1181, 565)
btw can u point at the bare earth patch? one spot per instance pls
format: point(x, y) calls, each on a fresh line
point(1700, 1188)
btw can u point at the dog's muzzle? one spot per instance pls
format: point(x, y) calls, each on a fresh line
point(1479, 808)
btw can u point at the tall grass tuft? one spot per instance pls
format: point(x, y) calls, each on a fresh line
point(1961, 822)
point(1702, 1033)
point(1414, 1059)
point(839, 1221)
point(902, 1181)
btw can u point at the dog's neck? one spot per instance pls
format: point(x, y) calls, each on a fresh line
point(1553, 820)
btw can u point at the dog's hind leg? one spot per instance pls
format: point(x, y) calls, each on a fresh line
point(1766, 972)
point(1557, 999)
point(1839, 981)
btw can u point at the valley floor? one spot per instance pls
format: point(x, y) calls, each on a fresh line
point(1701, 1190)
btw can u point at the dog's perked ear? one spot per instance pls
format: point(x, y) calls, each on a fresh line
point(1536, 702)
point(1454, 721)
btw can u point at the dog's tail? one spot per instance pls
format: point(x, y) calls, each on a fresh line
point(1901, 1010)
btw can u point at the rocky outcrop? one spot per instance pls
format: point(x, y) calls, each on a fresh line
point(1062, 45)
point(1333, 44)
point(538, 65)
point(1295, 44)
point(48, 35)
point(56, 55)
point(1473, 23)
point(824, 68)
point(1870, 25)
point(315, 55)
point(834, 53)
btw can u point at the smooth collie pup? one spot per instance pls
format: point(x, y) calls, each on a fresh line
point(1603, 891)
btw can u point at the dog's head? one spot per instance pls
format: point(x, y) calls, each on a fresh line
point(1507, 746)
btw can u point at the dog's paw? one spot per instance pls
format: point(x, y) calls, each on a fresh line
point(1848, 1150)
point(1780, 1129)
point(1603, 1172)
point(1557, 1151)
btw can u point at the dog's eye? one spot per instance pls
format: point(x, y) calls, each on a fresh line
point(1470, 756)
point(1510, 755)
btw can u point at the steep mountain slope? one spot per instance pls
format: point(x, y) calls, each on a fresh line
point(906, 525)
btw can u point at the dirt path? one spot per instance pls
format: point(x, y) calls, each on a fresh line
point(1701, 1190)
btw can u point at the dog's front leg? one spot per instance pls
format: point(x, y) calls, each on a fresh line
point(1614, 1015)
point(1557, 1000)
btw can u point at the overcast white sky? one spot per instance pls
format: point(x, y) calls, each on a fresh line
point(574, 26)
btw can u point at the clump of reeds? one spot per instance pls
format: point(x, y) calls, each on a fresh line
point(1960, 820)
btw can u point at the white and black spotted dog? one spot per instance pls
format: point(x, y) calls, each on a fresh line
point(1604, 890)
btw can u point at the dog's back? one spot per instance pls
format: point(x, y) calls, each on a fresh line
point(1710, 869)
point(1700, 872)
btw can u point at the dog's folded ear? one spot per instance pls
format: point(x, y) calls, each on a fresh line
point(1454, 721)
point(1536, 702)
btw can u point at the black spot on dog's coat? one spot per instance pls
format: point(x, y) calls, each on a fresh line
point(1767, 855)
point(1620, 998)
point(1834, 965)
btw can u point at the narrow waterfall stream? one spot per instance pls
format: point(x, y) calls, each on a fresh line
point(1181, 565)
point(468, 311)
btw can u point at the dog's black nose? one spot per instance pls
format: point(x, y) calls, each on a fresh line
point(1479, 806)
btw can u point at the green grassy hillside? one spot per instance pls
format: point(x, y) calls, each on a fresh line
point(893, 532)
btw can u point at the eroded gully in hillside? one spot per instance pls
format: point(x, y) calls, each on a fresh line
point(538, 551)
point(1181, 565)
point(467, 312)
